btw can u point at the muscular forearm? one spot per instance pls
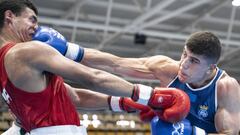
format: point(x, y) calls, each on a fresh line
point(133, 67)
point(109, 84)
point(100, 60)
point(86, 99)
point(92, 100)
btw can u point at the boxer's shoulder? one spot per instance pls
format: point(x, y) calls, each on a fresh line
point(164, 68)
point(25, 51)
point(228, 95)
point(227, 83)
point(228, 89)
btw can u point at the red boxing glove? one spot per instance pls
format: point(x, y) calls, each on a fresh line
point(170, 104)
point(174, 104)
point(120, 104)
point(147, 116)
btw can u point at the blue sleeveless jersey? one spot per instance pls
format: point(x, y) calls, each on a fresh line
point(203, 102)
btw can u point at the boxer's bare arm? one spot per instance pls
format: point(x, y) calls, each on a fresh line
point(41, 58)
point(155, 67)
point(227, 118)
point(86, 99)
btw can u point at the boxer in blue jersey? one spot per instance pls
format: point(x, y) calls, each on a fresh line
point(213, 93)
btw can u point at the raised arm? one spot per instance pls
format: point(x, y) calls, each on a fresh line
point(112, 63)
point(155, 67)
point(227, 118)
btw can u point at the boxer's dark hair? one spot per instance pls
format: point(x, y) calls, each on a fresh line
point(16, 6)
point(206, 44)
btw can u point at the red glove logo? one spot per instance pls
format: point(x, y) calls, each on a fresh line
point(160, 99)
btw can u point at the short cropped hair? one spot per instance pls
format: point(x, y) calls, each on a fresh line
point(16, 6)
point(206, 44)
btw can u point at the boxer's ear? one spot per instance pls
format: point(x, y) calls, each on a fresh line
point(8, 16)
point(211, 68)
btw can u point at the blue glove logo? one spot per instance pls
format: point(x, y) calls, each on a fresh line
point(57, 34)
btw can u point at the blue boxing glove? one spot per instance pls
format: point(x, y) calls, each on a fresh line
point(184, 127)
point(57, 41)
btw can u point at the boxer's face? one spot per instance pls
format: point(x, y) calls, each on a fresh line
point(193, 68)
point(24, 25)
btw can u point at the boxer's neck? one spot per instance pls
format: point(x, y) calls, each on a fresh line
point(7, 35)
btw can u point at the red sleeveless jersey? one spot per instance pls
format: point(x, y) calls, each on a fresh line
point(50, 107)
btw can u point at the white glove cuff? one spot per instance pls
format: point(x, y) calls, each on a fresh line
point(114, 103)
point(72, 51)
point(144, 94)
point(198, 131)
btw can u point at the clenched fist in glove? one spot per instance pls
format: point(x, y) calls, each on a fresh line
point(53, 38)
point(147, 115)
point(170, 104)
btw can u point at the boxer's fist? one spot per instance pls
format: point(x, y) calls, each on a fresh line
point(174, 104)
point(170, 104)
point(147, 115)
point(123, 104)
point(57, 41)
point(184, 127)
point(51, 37)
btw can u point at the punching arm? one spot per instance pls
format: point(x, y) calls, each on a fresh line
point(146, 68)
point(89, 100)
point(134, 67)
point(154, 67)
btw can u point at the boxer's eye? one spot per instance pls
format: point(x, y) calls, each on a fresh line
point(194, 61)
point(33, 19)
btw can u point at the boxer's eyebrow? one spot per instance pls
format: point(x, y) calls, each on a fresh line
point(34, 19)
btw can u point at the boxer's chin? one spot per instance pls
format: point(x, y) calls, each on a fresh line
point(182, 78)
